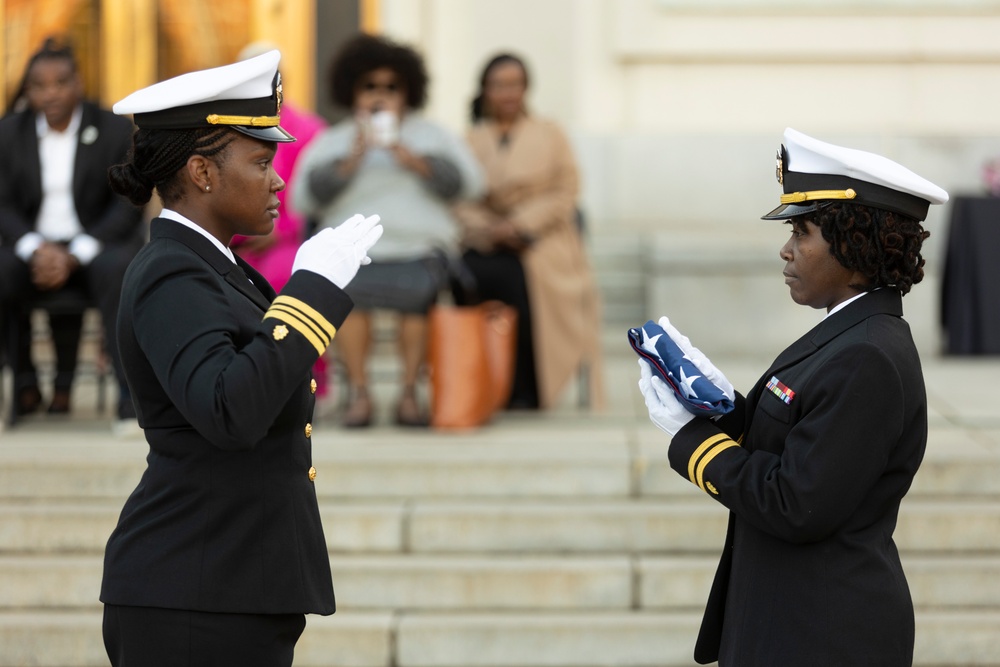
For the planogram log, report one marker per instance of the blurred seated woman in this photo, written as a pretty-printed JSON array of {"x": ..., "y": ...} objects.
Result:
[
  {"x": 387, "y": 158},
  {"x": 523, "y": 243}
]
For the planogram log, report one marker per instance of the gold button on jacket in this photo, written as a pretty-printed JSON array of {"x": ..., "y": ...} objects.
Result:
[
  {"x": 309, "y": 430},
  {"x": 312, "y": 474},
  {"x": 312, "y": 386}
]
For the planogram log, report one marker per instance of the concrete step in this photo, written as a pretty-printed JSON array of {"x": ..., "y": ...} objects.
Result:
[
  {"x": 73, "y": 639},
  {"x": 84, "y": 526},
  {"x": 423, "y": 465},
  {"x": 485, "y": 583},
  {"x": 642, "y": 526},
  {"x": 590, "y": 458},
  {"x": 959, "y": 461},
  {"x": 637, "y": 639},
  {"x": 681, "y": 525}
]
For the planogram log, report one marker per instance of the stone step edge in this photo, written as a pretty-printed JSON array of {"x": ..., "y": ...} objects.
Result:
[{"x": 402, "y": 639}]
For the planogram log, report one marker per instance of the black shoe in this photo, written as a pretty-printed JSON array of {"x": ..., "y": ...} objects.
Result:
[
  {"x": 518, "y": 403},
  {"x": 359, "y": 411},
  {"x": 29, "y": 399},
  {"x": 409, "y": 412},
  {"x": 60, "y": 402}
]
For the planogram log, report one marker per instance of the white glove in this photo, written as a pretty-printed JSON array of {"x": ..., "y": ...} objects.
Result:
[
  {"x": 665, "y": 409},
  {"x": 699, "y": 359},
  {"x": 338, "y": 253}
]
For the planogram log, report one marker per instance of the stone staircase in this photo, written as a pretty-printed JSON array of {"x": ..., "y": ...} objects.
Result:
[{"x": 555, "y": 541}]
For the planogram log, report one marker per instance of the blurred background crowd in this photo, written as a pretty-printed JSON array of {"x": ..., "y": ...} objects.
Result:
[{"x": 586, "y": 161}]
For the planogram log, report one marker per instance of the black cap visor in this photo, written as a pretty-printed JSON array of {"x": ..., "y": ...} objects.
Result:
[
  {"x": 276, "y": 133},
  {"x": 786, "y": 211}
]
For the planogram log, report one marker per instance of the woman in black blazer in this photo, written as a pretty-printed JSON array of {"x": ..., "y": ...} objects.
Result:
[
  {"x": 219, "y": 552},
  {"x": 814, "y": 462}
]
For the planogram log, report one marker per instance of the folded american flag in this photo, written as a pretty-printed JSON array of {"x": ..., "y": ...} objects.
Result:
[{"x": 697, "y": 393}]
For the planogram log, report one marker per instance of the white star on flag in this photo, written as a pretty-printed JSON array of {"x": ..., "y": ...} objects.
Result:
[
  {"x": 649, "y": 344},
  {"x": 686, "y": 383}
]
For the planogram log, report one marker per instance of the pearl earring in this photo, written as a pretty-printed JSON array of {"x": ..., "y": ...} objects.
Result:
[{"x": 207, "y": 188}]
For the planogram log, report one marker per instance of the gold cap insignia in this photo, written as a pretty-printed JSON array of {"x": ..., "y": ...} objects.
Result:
[
  {"x": 780, "y": 168},
  {"x": 280, "y": 332},
  {"x": 278, "y": 94}
]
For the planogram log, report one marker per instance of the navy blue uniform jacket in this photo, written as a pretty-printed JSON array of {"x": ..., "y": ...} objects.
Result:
[
  {"x": 225, "y": 517},
  {"x": 812, "y": 470}
]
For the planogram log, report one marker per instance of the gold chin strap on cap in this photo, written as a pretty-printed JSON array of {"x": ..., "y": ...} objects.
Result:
[
  {"x": 812, "y": 195},
  {"x": 252, "y": 121}
]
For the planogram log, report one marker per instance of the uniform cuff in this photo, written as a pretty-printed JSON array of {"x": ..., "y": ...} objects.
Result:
[
  {"x": 312, "y": 307},
  {"x": 694, "y": 448}
]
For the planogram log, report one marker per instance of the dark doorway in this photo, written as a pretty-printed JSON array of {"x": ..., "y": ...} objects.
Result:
[{"x": 336, "y": 22}]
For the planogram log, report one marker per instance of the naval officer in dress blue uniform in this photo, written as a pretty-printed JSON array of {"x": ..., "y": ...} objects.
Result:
[
  {"x": 219, "y": 552},
  {"x": 814, "y": 461}
]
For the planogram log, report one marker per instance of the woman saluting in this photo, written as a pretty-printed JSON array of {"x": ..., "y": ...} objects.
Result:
[{"x": 219, "y": 552}]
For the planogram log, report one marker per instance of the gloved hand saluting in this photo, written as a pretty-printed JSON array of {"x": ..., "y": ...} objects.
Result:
[
  {"x": 698, "y": 358},
  {"x": 337, "y": 253},
  {"x": 665, "y": 410}
]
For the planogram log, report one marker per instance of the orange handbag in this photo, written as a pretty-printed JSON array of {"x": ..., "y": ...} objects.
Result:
[{"x": 470, "y": 357}]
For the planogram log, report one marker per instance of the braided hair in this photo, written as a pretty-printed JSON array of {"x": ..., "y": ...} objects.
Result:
[
  {"x": 157, "y": 156},
  {"x": 884, "y": 246}
]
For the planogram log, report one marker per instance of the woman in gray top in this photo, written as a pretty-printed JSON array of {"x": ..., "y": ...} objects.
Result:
[{"x": 387, "y": 158}]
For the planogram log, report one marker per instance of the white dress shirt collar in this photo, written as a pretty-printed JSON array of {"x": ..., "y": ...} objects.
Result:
[
  {"x": 843, "y": 304},
  {"x": 170, "y": 214}
]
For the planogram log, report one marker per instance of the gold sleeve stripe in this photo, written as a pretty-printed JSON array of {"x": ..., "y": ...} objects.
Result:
[
  {"x": 297, "y": 324},
  {"x": 708, "y": 459},
  {"x": 702, "y": 448},
  {"x": 308, "y": 311},
  {"x": 303, "y": 319}
]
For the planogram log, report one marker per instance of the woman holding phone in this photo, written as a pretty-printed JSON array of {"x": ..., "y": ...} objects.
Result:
[{"x": 386, "y": 157}]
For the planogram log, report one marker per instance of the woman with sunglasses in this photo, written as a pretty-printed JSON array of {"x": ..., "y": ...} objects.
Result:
[{"x": 387, "y": 158}]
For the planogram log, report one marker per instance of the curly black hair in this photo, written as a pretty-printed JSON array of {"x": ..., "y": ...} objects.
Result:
[
  {"x": 365, "y": 53},
  {"x": 157, "y": 156},
  {"x": 884, "y": 246}
]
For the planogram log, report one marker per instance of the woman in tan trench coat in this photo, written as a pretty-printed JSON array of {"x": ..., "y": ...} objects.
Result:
[{"x": 523, "y": 237}]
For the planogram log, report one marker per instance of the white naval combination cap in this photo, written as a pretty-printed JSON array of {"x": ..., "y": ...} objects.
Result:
[
  {"x": 815, "y": 174},
  {"x": 245, "y": 96}
]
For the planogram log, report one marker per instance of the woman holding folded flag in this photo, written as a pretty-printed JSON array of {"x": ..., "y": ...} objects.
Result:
[{"x": 813, "y": 462}]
